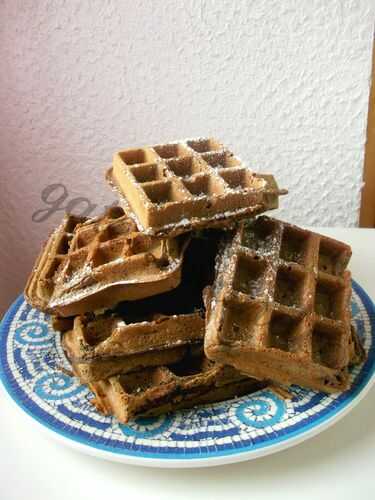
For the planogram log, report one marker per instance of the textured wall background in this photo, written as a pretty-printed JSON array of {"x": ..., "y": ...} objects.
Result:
[{"x": 284, "y": 83}]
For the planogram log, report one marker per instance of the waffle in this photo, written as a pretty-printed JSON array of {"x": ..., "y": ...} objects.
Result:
[
  {"x": 146, "y": 332},
  {"x": 60, "y": 324},
  {"x": 89, "y": 264},
  {"x": 280, "y": 306},
  {"x": 154, "y": 391},
  {"x": 357, "y": 353},
  {"x": 174, "y": 188},
  {"x": 106, "y": 346}
]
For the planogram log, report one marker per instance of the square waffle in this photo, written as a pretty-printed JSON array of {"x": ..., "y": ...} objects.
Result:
[
  {"x": 176, "y": 187},
  {"x": 105, "y": 346},
  {"x": 89, "y": 264},
  {"x": 280, "y": 306},
  {"x": 149, "y": 332},
  {"x": 192, "y": 381}
]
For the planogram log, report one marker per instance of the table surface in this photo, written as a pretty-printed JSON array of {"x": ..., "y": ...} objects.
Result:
[{"x": 339, "y": 463}]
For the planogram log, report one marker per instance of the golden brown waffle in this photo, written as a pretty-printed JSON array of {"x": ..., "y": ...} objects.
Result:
[
  {"x": 89, "y": 264},
  {"x": 102, "y": 347},
  {"x": 154, "y": 391},
  {"x": 192, "y": 184},
  {"x": 280, "y": 306}
]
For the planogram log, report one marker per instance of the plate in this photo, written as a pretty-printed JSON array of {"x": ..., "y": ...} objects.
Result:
[{"x": 33, "y": 371}]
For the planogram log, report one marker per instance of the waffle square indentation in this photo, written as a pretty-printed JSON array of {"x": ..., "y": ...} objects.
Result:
[
  {"x": 333, "y": 257},
  {"x": 204, "y": 145},
  {"x": 284, "y": 332},
  {"x": 162, "y": 192},
  {"x": 63, "y": 246},
  {"x": 250, "y": 276},
  {"x": 243, "y": 322},
  {"x": 85, "y": 237},
  {"x": 329, "y": 300},
  {"x": 260, "y": 236},
  {"x": 185, "y": 167},
  {"x": 238, "y": 178},
  {"x": 76, "y": 263},
  {"x": 108, "y": 252},
  {"x": 203, "y": 186},
  {"x": 327, "y": 346},
  {"x": 289, "y": 287},
  {"x": 173, "y": 150},
  {"x": 146, "y": 173},
  {"x": 293, "y": 245},
  {"x": 221, "y": 160},
  {"x": 137, "y": 156},
  {"x": 117, "y": 229}
]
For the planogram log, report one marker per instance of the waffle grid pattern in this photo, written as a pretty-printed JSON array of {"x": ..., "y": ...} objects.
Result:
[
  {"x": 284, "y": 295},
  {"x": 200, "y": 178},
  {"x": 154, "y": 391},
  {"x": 51, "y": 259},
  {"x": 85, "y": 257},
  {"x": 111, "y": 240}
]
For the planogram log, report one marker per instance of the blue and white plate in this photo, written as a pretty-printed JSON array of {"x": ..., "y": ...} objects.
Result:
[{"x": 32, "y": 366}]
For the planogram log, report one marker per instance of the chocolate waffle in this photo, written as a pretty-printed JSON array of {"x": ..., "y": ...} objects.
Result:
[
  {"x": 192, "y": 381},
  {"x": 149, "y": 332},
  {"x": 89, "y": 264},
  {"x": 280, "y": 306},
  {"x": 60, "y": 324},
  {"x": 174, "y": 188},
  {"x": 105, "y": 346}
]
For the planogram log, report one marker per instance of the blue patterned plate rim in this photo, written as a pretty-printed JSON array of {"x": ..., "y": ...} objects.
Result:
[{"x": 227, "y": 432}]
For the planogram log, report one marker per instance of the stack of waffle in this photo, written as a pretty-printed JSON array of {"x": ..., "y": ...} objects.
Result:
[{"x": 181, "y": 295}]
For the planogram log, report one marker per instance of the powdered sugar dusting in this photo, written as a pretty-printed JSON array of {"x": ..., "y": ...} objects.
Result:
[
  {"x": 250, "y": 190},
  {"x": 86, "y": 291}
]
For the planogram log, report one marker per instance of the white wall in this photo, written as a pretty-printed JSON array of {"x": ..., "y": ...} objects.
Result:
[{"x": 284, "y": 83}]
